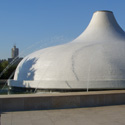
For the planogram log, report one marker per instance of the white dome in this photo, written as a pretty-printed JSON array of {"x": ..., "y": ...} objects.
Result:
[{"x": 95, "y": 60}]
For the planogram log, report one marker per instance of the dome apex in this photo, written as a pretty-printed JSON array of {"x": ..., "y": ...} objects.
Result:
[
  {"x": 102, "y": 27},
  {"x": 104, "y": 11}
]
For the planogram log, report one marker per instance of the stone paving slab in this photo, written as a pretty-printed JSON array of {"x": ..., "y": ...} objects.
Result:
[{"x": 107, "y": 115}]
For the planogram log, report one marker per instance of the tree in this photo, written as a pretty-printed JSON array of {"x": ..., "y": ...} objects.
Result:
[{"x": 7, "y": 74}]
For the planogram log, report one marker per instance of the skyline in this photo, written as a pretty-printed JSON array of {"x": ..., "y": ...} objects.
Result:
[{"x": 33, "y": 25}]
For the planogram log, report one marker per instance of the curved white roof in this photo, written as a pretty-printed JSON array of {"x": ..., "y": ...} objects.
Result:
[{"x": 96, "y": 59}]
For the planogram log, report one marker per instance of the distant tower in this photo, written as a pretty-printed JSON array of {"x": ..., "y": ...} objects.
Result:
[{"x": 14, "y": 52}]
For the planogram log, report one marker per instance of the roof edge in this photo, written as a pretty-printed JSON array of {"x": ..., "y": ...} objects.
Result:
[{"x": 104, "y": 11}]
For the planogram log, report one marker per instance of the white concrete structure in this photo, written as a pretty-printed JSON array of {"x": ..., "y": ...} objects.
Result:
[{"x": 94, "y": 60}]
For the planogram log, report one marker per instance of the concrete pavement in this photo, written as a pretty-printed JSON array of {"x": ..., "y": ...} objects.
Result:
[{"x": 107, "y": 115}]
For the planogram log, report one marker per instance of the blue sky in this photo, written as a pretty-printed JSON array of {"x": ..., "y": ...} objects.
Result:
[{"x": 35, "y": 24}]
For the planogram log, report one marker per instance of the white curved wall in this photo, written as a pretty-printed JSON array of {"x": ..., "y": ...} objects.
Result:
[{"x": 96, "y": 59}]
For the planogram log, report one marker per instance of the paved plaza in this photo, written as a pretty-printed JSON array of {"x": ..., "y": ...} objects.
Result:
[{"x": 107, "y": 115}]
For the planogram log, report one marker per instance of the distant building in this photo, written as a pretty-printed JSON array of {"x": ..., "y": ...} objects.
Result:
[
  {"x": 14, "y": 52},
  {"x": 14, "y": 56},
  {"x": 15, "y": 60}
]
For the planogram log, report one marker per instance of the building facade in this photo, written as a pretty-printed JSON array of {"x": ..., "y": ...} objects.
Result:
[
  {"x": 15, "y": 56},
  {"x": 14, "y": 52}
]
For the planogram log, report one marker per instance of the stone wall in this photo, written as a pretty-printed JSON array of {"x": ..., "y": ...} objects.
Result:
[{"x": 61, "y": 100}]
